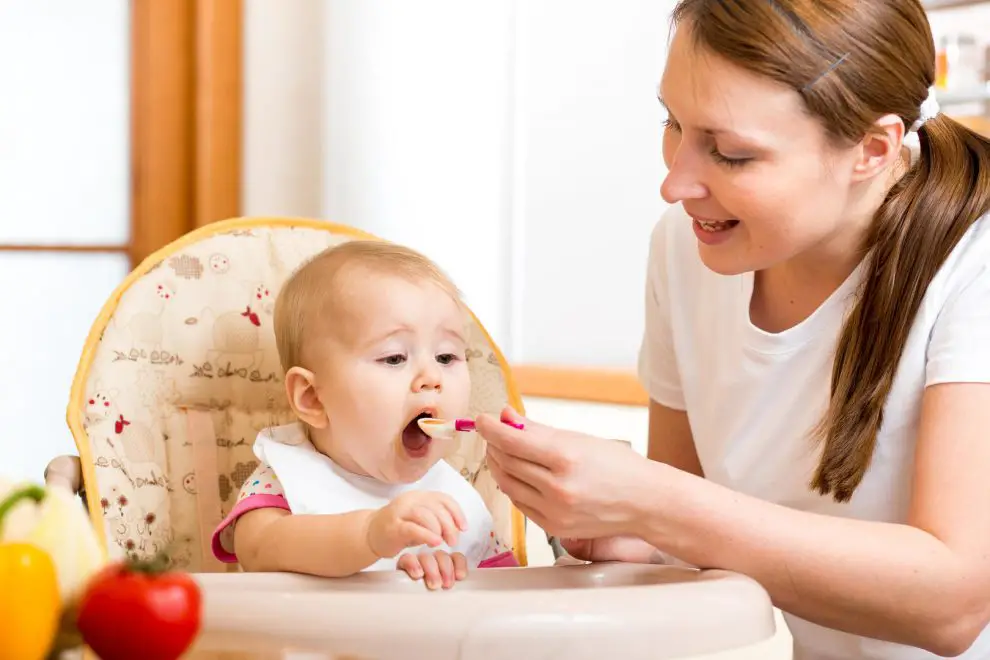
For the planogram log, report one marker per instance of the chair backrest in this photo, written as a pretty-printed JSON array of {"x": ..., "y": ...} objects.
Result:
[{"x": 180, "y": 372}]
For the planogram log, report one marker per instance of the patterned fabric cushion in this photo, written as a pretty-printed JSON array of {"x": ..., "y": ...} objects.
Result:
[{"x": 181, "y": 372}]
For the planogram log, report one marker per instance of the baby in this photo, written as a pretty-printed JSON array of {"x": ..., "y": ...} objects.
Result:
[{"x": 371, "y": 337}]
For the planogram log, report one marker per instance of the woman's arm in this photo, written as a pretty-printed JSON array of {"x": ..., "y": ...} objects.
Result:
[
  {"x": 670, "y": 442},
  {"x": 925, "y": 583},
  {"x": 272, "y": 539}
]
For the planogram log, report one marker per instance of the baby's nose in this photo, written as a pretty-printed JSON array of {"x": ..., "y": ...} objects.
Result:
[
  {"x": 423, "y": 386},
  {"x": 429, "y": 378}
]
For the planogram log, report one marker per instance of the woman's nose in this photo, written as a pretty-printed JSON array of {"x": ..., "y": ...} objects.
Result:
[{"x": 682, "y": 181}]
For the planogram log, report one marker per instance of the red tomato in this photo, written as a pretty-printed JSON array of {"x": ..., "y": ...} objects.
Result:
[{"x": 126, "y": 614}]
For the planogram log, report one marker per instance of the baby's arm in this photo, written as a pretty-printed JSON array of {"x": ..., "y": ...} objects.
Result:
[
  {"x": 261, "y": 533},
  {"x": 339, "y": 545},
  {"x": 329, "y": 545}
]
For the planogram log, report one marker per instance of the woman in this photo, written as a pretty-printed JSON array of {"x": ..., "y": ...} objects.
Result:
[{"x": 817, "y": 343}]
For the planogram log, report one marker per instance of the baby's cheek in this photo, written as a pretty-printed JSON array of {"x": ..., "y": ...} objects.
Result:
[{"x": 461, "y": 393}]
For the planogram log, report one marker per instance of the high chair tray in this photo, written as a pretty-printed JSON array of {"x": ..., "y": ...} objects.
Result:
[{"x": 574, "y": 612}]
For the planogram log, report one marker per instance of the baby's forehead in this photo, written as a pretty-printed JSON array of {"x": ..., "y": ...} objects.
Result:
[{"x": 366, "y": 302}]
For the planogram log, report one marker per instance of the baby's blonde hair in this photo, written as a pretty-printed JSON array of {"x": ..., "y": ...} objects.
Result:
[{"x": 309, "y": 293}]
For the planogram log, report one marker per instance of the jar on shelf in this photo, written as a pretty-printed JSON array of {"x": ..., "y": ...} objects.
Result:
[{"x": 959, "y": 63}]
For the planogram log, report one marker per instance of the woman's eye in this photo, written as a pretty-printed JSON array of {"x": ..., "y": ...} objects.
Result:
[
  {"x": 446, "y": 358},
  {"x": 718, "y": 156},
  {"x": 393, "y": 360},
  {"x": 722, "y": 159}
]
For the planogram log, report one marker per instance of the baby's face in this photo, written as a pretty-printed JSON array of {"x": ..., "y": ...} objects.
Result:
[{"x": 396, "y": 353}]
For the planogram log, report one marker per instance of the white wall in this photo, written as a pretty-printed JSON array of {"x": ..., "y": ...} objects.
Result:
[
  {"x": 418, "y": 140},
  {"x": 588, "y": 173},
  {"x": 64, "y": 179},
  {"x": 283, "y": 108},
  {"x": 515, "y": 142}
]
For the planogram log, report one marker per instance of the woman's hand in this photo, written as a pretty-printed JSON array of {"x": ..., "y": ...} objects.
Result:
[
  {"x": 570, "y": 484},
  {"x": 626, "y": 549}
]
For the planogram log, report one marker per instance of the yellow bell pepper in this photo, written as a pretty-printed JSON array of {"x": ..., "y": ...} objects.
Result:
[
  {"x": 30, "y": 605},
  {"x": 60, "y": 526}
]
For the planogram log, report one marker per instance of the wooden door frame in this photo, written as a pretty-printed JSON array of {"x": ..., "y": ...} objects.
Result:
[{"x": 186, "y": 118}]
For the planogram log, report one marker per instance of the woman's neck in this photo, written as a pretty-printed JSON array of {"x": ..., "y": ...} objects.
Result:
[{"x": 786, "y": 294}]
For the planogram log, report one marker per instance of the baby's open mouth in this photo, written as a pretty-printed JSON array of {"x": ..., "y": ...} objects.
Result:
[{"x": 414, "y": 441}]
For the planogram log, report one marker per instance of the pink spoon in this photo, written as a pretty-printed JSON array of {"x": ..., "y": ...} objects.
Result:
[{"x": 445, "y": 428}]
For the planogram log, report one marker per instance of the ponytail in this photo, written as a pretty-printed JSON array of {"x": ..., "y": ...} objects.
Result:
[{"x": 916, "y": 228}]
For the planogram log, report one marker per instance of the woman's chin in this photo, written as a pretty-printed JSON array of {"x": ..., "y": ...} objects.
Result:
[{"x": 723, "y": 261}]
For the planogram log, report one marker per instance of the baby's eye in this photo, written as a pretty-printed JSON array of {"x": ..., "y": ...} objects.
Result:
[
  {"x": 393, "y": 360},
  {"x": 447, "y": 358}
]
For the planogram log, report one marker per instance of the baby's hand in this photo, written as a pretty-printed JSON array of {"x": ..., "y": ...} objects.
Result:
[
  {"x": 412, "y": 519},
  {"x": 437, "y": 568}
]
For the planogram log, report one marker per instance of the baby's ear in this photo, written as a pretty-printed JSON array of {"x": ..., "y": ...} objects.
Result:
[{"x": 300, "y": 389}]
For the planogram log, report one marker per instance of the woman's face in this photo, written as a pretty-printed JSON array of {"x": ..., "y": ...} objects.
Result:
[{"x": 754, "y": 170}]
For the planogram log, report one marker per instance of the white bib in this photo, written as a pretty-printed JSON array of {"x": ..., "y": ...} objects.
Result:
[{"x": 314, "y": 484}]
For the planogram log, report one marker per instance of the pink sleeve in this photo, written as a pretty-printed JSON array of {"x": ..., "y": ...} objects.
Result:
[
  {"x": 498, "y": 555},
  {"x": 501, "y": 560},
  {"x": 262, "y": 490}
]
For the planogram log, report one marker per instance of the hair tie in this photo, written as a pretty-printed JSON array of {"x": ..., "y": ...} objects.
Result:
[{"x": 929, "y": 110}]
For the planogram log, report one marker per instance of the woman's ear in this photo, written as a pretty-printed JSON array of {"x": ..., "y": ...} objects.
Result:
[
  {"x": 300, "y": 386},
  {"x": 880, "y": 149}
]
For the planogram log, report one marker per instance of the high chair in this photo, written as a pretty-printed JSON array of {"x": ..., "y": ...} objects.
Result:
[{"x": 179, "y": 374}]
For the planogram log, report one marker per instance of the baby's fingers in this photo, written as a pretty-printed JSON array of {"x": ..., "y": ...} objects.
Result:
[
  {"x": 411, "y": 565},
  {"x": 412, "y": 534},
  {"x": 431, "y": 570},
  {"x": 449, "y": 527},
  {"x": 437, "y": 518},
  {"x": 445, "y": 563},
  {"x": 455, "y": 512},
  {"x": 460, "y": 565},
  {"x": 426, "y": 518}
]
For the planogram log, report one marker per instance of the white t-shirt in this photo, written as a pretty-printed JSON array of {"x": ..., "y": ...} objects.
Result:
[{"x": 753, "y": 397}]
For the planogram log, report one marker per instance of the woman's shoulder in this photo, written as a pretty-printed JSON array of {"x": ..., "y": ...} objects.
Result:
[
  {"x": 968, "y": 261},
  {"x": 974, "y": 247}
]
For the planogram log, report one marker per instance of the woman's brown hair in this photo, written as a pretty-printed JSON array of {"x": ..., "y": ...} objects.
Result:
[{"x": 854, "y": 61}]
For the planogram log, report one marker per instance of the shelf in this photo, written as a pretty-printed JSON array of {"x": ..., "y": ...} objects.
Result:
[{"x": 950, "y": 4}]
